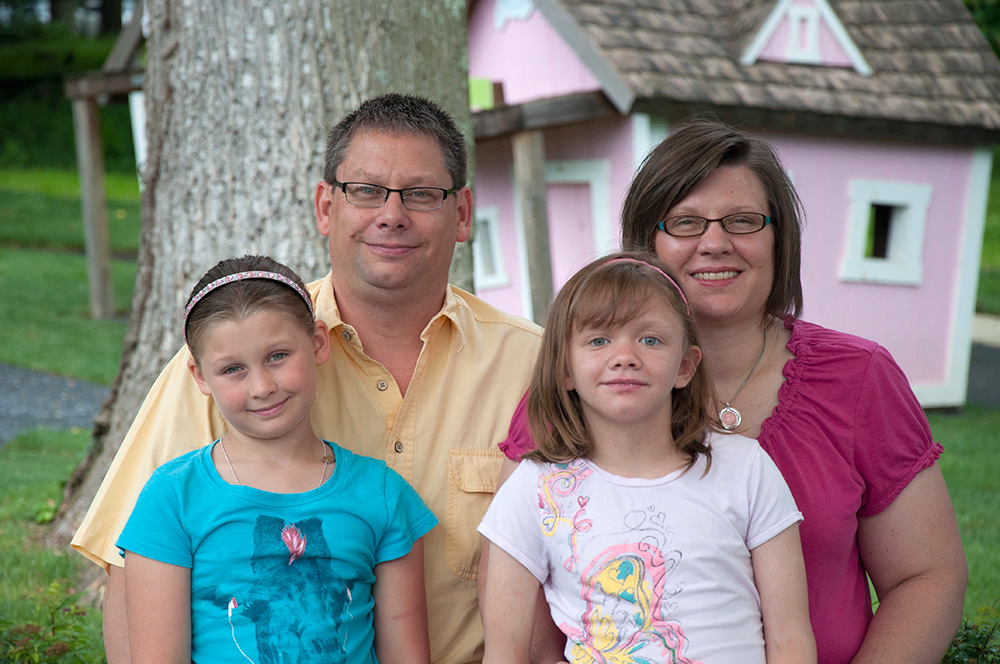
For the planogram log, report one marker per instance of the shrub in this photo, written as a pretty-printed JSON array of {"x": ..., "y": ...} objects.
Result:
[
  {"x": 60, "y": 632},
  {"x": 977, "y": 642}
]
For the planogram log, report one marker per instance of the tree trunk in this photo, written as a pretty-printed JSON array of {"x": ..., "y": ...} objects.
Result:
[{"x": 239, "y": 97}]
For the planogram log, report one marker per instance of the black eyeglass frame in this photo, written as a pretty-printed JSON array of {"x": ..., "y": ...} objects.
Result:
[
  {"x": 402, "y": 194},
  {"x": 662, "y": 225}
]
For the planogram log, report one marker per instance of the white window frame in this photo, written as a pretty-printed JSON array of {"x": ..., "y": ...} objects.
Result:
[
  {"x": 903, "y": 264},
  {"x": 803, "y": 37},
  {"x": 488, "y": 225}
]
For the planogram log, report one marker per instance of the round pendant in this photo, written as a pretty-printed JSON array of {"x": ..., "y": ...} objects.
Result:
[{"x": 730, "y": 418}]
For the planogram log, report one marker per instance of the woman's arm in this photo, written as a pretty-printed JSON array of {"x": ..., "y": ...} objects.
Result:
[
  {"x": 401, "y": 610},
  {"x": 780, "y": 576},
  {"x": 508, "y": 606},
  {"x": 158, "y": 608},
  {"x": 913, "y": 554}
]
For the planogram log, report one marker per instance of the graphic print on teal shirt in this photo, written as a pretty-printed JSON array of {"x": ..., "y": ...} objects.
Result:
[
  {"x": 624, "y": 585},
  {"x": 293, "y": 596}
]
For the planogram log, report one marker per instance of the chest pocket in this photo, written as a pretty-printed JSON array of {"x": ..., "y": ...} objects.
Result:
[{"x": 472, "y": 479}]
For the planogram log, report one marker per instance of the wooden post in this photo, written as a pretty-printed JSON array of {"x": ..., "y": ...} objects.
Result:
[
  {"x": 90, "y": 165},
  {"x": 529, "y": 184}
]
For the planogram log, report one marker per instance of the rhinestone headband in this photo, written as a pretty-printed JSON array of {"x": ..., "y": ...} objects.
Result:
[
  {"x": 625, "y": 259},
  {"x": 240, "y": 276}
]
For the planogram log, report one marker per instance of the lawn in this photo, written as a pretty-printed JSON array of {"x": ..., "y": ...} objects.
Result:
[
  {"x": 988, "y": 296},
  {"x": 971, "y": 467},
  {"x": 41, "y": 251}
]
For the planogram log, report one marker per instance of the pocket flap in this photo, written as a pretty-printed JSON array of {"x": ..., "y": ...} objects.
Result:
[{"x": 476, "y": 471}]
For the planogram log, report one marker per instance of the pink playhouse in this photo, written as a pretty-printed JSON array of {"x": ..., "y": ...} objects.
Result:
[{"x": 884, "y": 113}]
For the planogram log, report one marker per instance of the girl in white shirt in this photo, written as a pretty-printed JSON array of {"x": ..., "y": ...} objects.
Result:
[{"x": 655, "y": 538}]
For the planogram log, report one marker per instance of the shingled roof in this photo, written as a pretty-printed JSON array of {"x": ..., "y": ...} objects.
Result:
[{"x": 931, "y": 73}]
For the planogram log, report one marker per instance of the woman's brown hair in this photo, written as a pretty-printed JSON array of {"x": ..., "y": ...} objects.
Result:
[{"x": 682, "y": 161}]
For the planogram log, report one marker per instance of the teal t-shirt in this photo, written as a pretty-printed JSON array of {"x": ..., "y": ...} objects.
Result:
[{"x": 278, "y": 577}]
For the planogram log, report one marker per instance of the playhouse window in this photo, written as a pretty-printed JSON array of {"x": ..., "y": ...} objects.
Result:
[
  {"x": 879, "y": 224},
  {"x": 487, "y": 253},
  {"x": 803, "y": 35},
  {"x": 886, "y": 221}
]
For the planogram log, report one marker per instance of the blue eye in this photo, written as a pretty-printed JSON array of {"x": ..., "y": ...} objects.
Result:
[
  {"x": 598, "y": 342},
  {"x": 280, "y": 355},
  {"x": 231, "y": 370},
  {"x": 649, "y": 341}
]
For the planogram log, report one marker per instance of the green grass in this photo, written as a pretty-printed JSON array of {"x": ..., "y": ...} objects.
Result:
[
  {"x": 45, "y": 311},
  {"x": 970, "y": 467},
  {"x": 41, "y": 208},
  {"x": 47, "y": 51},
  {"x": 34, "y": 580},
  {"x": 988, "y": 296},
  {"x": 45, "y": 318}
]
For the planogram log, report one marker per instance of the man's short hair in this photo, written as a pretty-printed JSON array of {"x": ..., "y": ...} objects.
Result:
[{"x": 396, "y": 113}]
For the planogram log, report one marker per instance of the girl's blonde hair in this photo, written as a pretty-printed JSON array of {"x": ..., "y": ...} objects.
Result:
[{"x": 609, "y": 291}]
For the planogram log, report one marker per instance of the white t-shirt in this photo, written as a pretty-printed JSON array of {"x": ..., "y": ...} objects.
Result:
[{"x": 648, "y": 570}]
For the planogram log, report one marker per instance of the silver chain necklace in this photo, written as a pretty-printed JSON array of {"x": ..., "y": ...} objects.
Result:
[
  {"x": 729, "y": 417},
  {"x": 327, "y": 460}
]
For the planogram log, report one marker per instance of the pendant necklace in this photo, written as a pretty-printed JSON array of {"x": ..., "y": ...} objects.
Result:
[
  {"x": 327, "y": 460},
  {"x": 729, "y": 417}
]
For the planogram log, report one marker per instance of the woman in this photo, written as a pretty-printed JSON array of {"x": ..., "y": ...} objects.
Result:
[{"x": 834, "y": 411}]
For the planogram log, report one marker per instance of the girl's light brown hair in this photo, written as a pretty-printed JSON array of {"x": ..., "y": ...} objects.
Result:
[
  {"x": 610, "y": 291},
  {"x": 244, "y": 298}
]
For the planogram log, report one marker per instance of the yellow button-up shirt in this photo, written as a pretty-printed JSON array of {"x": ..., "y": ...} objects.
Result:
[{"x": 442, "y": 437}]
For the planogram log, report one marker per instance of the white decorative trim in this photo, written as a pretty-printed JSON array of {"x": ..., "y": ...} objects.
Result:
[
  {"x": 803, "y": 39},
  {"x": 903, "y": 264},
  {"x": 642, "y": 139},
  {"x": 511, "y": 10},
  {"x": 955, "y": 388},
  {"x": 785, "y": 8},
  {"x": 487, "y": 238},
  {"x": 596, "y": 174}
]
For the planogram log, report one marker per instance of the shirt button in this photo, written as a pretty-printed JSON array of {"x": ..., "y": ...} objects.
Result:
[
  {"x": 398, "y": 447},
  {"x": 382, "y": 385},
  {"x": 346, "y": 335}
]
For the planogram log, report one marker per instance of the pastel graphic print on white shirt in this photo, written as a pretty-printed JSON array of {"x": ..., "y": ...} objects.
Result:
[
  {"x": 623, "y": 586},
  {"x": 648, "y": 570}
]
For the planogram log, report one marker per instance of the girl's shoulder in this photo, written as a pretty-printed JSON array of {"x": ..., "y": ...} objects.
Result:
[
  {"x": 732, "y": 450},
  {"x": 530, "y": 471},
  {"x": 187, "y": 462}
]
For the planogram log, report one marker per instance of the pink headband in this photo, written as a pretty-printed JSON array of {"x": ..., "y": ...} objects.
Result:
[
  {"x": 239, "y": 276},
  {"x": 625, "y": 259}
]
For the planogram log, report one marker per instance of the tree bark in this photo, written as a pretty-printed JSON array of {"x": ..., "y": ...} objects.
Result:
[{"x": 239, "y": 97}]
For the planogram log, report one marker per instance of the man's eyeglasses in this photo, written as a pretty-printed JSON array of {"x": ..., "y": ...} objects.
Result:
[
  {"x": 367, "y": 195},
  {"x": 741, "y": 223}
]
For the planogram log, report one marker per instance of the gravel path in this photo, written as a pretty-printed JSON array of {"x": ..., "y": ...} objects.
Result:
[{"x": 31, "y": 398}]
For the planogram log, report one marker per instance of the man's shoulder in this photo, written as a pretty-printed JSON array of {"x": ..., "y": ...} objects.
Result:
[{"x": 481, "y": 312}]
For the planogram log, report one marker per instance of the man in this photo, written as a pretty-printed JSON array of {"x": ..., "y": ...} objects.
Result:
[{"x": 421, "y": 374}]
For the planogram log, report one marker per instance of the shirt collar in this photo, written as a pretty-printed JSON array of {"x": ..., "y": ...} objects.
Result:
[{"x": 453, "y": 310}]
